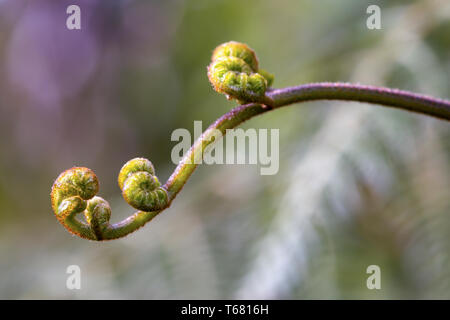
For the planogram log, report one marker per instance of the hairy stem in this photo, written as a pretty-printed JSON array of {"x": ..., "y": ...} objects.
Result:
[
  {"x": 405, "y": 100},
  {"x": 234, "y": 71},
  {"x": 317, "y": 91},
  {"x": 277, "y": 98}
]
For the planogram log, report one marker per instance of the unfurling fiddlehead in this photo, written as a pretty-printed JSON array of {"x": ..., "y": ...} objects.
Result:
[
  {"x": 234, "y": 71},
  {"x": 74, "y": 192},
  {"x": 140, "y": 187}
]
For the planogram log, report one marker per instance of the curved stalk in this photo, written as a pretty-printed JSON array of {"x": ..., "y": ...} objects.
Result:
[
  {"x": 400, "y": 99},
  {"x": 233, "y": 71},
  {"x": 282, "y": 97}
]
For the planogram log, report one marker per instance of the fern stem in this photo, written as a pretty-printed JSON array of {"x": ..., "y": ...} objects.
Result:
[
  {"x": 405, "y": 100},
  {"x": 316, "y": 91},
  {"x": 275, "y": 99}
]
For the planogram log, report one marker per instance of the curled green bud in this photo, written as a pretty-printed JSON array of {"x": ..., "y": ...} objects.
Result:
[
  {"x": 98, "y": 214},
  {"x": 140, "y": 187},
  {"x": 71, "y": 190},
  {"x": 234, "y": 71},
  {"x": 74, "y": 192}
]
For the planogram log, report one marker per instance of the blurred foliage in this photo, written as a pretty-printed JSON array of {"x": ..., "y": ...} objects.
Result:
[{"x": 357, "y": 185}]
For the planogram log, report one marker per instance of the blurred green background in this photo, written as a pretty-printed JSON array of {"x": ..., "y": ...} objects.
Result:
[{"x": 358, "y": 185}]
